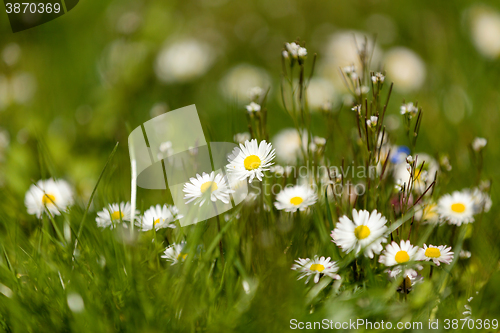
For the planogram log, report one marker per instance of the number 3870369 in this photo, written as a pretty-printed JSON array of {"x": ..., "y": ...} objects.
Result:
[{"x": 27, "y": 7}]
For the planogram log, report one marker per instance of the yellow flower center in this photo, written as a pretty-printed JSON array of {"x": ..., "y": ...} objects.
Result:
[
  {"x": 212, "y": 186},
  {"x": 361, "y": 232},
  {"x": 458, "y": 207},
  {"x": 156, "y": 221},
  {"x": 252, "y": 162},
  {"x": 182, "y": 256},
  {"x": 116, "y": 215},
  {"x": 317, "y": 267},
  {"x": 432, "y": 252},
  {"x": 296, "y": 201},
  {"x": 402, "y": 256},
  {"x": 48, "y": 199}
]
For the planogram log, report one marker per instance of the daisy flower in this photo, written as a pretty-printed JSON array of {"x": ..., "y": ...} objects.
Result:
[
  {"x": 395, "y": 254},
  {"x": 113, "y": 214},
  {"x": 437, "y": 254},
  {"x": 456, "y": 208},
  {"x": 364, "y": 232},
  {"x": 50, "y": 194},
  {"x": 317, "y": 267},
  {"x": 294, "y": 198},
  {"x": 159, "y": 217},
  {"x": 251, "y": 160},
  {"x": 174, "y": 253},
  {"x": 206, "y": 186}
]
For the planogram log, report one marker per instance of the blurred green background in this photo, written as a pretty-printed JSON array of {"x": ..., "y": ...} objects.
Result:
[{"x": 71, "y": 88}]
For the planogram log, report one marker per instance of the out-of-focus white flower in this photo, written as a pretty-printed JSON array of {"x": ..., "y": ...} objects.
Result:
[
  {"x": 372, "y": 122},
  {"x": 289, "y": 145},
  {"x": 410, "y": 277},
  {"x": 485, "y": 31},
  {"x": 184, "y": 61},
  {"x": 19, "y": 88},
  {"x": 479, "y": 143},
  {"x": 11, "y": 54},
  {"x": 295, "y": 50},
  {"x": 302, "y": 52},
  {"x": 75, "y": 302},
  {"x": 52, "y": 195},
  {"x": 362, "y": 90},
  {"x": 254, "y": 93},
  {"x": 357, "y": 108},
  {"x": 242, "y": 137},
  {"x": 319, "y": 92},
  {"x": 408, "y": 109},
  {"x": 253, "y": 107},
  {"x": 285, "y": 54},
  {"x": 174, "y": 253},
  {"x": 319, "y": 141},
  {"x": 378, "y": 77},
  {"x": 128, "y": 22},
  {"x": 405, "y": 68},
  {"x": 239, "y": 80},
  {"x": 464, "y": 254}
]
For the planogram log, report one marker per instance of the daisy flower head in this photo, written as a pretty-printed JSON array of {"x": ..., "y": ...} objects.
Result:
[
  {"x": 159, "y": 217},
  {"x": 397, "y": 254},
  {"x": 365, "y": 232},
  {"x": 438, "y": 254},
  {"x": 316, "y": 267},
  {"x": 52, "y": 195},
  {"x": 206, "y": 186},
  {"x": 294, "y": 198},
  {"x": 113, "y": 214},
  {"x": 456, "y": 208},
  {"x": 174, "y": 253},
  {"x": 251, "y": 160}
]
